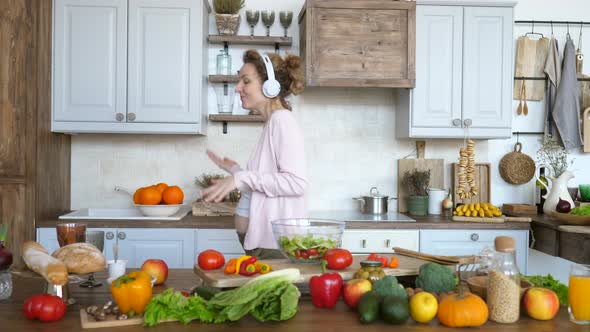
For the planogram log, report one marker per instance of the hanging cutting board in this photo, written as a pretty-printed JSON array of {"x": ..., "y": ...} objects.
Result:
[
  {"x": 531, "y": 55},
  {"x": 436, "y": 167},
  {"x": 586, "y": 117},
  {"x": 408, "y": 266}
]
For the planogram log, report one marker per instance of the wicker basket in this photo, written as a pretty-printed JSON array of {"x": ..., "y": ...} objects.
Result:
[{"x": 517, "y": 167}]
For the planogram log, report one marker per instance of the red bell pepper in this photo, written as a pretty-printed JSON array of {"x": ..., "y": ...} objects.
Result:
[
  {"x": 375, "y": 257},
  {"x": 325, "y": 289},
  {"x": 247, "y": 268}
]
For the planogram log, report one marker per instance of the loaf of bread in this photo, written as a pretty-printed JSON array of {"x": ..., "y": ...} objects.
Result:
[
  {"x": 81, "y": 258},
  {"x": 38, "y": 260}
]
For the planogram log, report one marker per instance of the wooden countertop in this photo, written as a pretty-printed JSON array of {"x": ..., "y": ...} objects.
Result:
[
  {"x": 190, "y": 221},
  {"x": 308, "y": 318}
]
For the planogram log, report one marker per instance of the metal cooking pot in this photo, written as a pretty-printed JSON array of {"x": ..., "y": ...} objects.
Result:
[{"x": 374, "y": 203}]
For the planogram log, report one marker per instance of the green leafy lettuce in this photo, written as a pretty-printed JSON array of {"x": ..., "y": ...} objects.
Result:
[
  {"x": 300, "y": 242},
  {"x": 549, "y": 282},
  {"x": 269, "y": 297},
  {"x": 581, "y": 211}
]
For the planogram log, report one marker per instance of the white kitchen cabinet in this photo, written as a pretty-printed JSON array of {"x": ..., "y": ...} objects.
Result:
[
  {"x": 463, "y": 73},
  {"x": 47, "y": 237},
  {"x": 471, "y": 242},
  {"x": 175, "y": 246},
  {"x": 130, "y": 66},
  {"x": 223, "y": 240},
  {"x": 359, "y": 241}
]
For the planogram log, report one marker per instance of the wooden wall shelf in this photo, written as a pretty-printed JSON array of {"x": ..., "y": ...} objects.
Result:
[
  {"x": 235, "y": 118},
  {"x": 223, "y": 78},
  {"x": 251, "y": 40}
]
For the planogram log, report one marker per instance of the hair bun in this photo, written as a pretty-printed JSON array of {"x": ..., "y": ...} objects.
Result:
[{"x": 293, "y": 66}]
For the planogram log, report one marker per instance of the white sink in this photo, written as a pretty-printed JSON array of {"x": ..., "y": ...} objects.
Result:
[{"x": 121, "y": 214}]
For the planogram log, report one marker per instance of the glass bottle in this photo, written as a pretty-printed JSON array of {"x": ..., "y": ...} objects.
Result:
[
  {"x": 5, "y": 284},
  {"x": 223, "y": 63},
  {"x": 503, "y": 292},
  {"x": 540, "y": 191}
]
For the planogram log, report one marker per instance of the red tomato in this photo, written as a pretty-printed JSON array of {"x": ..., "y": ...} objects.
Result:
[
  {"x": 312, "y": 252},
  {"x": 211, "y": 259},
  {"x": 45, "y": 307},
  {"x": 185, "y": 294},
  {"x": 338, "y": 259}
]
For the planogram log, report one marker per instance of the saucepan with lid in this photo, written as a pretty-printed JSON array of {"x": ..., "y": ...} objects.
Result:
[{"x": 375, "y": 203}]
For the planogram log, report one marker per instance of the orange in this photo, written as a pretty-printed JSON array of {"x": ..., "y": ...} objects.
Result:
[
  {"x": 150, "y": 196},
  {"x": 173, "y": 195},
  {"x": 161, "y": 187},
  {"x": 136, "y": 195}
]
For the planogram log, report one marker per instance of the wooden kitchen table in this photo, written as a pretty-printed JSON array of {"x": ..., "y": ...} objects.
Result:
[{"x": 308, "y": 318}]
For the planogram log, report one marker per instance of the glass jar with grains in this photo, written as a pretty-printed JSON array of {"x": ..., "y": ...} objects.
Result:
[
  {"x": 370, "y": 270},
  {"x": 503, "y": 293}
]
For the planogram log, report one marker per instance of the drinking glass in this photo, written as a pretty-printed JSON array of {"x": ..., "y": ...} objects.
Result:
[
  {"x": 68, "y": 233},
  {"x": 96, "y": 238},
  {"x": 286, "y": 17},
  {"x": 268, "y": 18},
  {"x": 579, "y": 293},
  {"x": 252, "y": 16},
  {"x": 584, "y": 192}
]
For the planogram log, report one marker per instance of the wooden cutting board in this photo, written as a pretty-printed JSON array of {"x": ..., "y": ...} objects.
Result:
[
  {"x": 408, "y": 266},
  {"x": 88, "y": 322},
  {"x": 531, "y": 55},
  {"x": 214, "y": 209},
  {"x": 483, "y": 178},
  {"x": 519, "y": 209},
  {"x": 437, "y": 175},
  {"x": 587, "y": 130},
  {"x": 499, "y": 219}
]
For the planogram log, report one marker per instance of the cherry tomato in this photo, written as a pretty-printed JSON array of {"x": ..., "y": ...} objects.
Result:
[
  {"x": 185, "y": 294},
  {"x": 304, "y": 254},
  {"x": 211, "y": 259},
  {"x": 45, "y": 307},
  {"x": 297, "y": 253},
  {"x": 312, "y": 252},
  {"x": 338, "y": 259}
]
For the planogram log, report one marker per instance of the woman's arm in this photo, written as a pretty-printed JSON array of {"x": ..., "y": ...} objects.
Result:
[{"x": 287, "y": 141}]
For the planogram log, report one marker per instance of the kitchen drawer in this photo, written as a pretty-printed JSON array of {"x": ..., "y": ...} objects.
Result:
[
  {"x": 471, "y": 242},
  {"x": 379, "y": 241},
  {"x": 223, "y": 240}
]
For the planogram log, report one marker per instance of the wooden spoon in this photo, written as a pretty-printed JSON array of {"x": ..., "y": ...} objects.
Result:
[
  {"x": 525, "y": 109},
  {"x": 519, "y": 109}
]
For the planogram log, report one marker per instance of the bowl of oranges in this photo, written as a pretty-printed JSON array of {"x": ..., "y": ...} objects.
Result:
[{"x": 158, "y": 200}]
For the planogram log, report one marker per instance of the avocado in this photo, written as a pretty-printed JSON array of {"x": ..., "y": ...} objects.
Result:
[
  {"x": 368, "y": 307},
  {"x": 206, "y": 292},
  {"x": 394, "y": 309}
]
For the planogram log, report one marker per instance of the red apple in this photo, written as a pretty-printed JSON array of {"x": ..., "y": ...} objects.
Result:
[
  {"x": 156, "y": 268},
  {"x": 541, "y": 303},
  {"x": 354, "y": 289}
]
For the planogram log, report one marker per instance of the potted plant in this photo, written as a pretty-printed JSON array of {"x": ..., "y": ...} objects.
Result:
[
  {"x": 416, "y": 183},
  {"x": 227, "y": 15}
]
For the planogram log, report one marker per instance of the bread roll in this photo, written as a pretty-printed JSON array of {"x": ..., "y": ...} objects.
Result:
[
  {"x": 38, "y": 260},
  {"x": 81, "y": 258}
]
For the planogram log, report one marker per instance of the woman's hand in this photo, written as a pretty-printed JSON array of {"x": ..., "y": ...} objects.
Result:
[
  {"x": 225, "y": 163},
  {"x": 219, "y": 190}
]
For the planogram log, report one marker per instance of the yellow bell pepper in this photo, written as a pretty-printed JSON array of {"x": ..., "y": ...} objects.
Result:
[
  {"x": 262, "y": 268},
  {"x": 239, "y": 262},
  {"x": 132, "y": 292}
]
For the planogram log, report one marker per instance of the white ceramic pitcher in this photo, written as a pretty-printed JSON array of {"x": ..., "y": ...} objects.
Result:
[
  {"x": 435, "y": 198},
  {"x": 556, "y": 188}
]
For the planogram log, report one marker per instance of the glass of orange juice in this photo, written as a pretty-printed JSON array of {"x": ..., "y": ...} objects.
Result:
[{"x": 579, "y": 294}]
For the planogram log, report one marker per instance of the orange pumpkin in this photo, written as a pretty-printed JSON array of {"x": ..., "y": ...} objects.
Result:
[{"x": 461, "y": 310}]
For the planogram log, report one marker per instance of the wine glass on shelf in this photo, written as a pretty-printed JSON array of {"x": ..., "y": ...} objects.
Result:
[
  {"x": 268, "y": 18},
  {"x": 96, "y": 238},
  {"x": 252, "y": 16},
  {"x": 286, "y": 17}
]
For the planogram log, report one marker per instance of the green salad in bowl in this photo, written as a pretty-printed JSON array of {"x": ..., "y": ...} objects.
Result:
[{"x": 307, "y": 240}]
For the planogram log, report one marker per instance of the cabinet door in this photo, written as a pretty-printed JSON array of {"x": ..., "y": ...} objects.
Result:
[
  {"x": 163, "y": 61},
  {"x": 223, "y": 240},
  {"x": 439, "y": 39},
  {"x": 379, "y": 241},
  {"x": 174, "y": 246},
  {"x": 487, "y": 66},
  {"x": 471, "y": 242},
  {"x": 47, "y": 237},
  {"x": 89, "y": 60}
]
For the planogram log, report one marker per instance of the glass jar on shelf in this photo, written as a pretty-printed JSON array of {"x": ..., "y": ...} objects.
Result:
[
  {"x": 223, "y": 63},
  {"x": 503, "y": 291}
]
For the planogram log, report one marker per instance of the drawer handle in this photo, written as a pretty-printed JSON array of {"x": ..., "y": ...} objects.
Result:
[
  {"x": 110, "y": 235},
  {"x": 387, "y": 243},
  {"x": 364, "y": 243},
  {"x": 474, "y": 237},
  {"x": 121, "y": 235}
]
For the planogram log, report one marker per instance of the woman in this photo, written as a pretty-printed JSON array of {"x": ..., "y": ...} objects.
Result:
[{"x": 273, "y": 184}]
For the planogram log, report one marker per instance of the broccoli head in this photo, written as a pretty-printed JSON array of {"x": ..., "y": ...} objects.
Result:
[
  {"x": 388, "y": 285},
  {"x": 437, "y": 278}
]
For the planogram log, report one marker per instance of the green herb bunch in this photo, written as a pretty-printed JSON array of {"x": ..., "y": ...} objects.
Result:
[
  {"x": 553, "y": 154},
  {"x": 206, "y": 180},
  {"x": 417, "y": 182},
  {"x": 228, "y": 6}
]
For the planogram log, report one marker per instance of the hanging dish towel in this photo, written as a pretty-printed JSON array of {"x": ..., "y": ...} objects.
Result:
[
  {"x": 566, "y": 112},
  {"x": 553, "y": 72}
]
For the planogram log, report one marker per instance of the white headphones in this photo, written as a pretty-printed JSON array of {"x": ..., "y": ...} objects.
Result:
[{"x": 271, "y": 87}]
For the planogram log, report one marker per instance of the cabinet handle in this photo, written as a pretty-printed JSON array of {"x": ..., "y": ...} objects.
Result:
[
  {"x": 456, "y": 122},
  {"x": 131, "y": 116},
  {"x": 387, "y": 243},
  {"x": 474, "y": 237},
  {"x": 110, "y": 235},
  {"x": 119, "y": 117},
  {"x": 467, "y": 122},
  {"x": 364, "y": 243},
  {"x": 121, "y": 235}
]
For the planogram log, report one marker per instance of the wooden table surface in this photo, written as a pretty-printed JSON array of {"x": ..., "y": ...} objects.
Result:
[{"x": 308, "y": 318}]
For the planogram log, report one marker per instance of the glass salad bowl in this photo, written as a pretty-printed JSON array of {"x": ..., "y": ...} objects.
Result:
[{"x": 307, "y": 240}]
